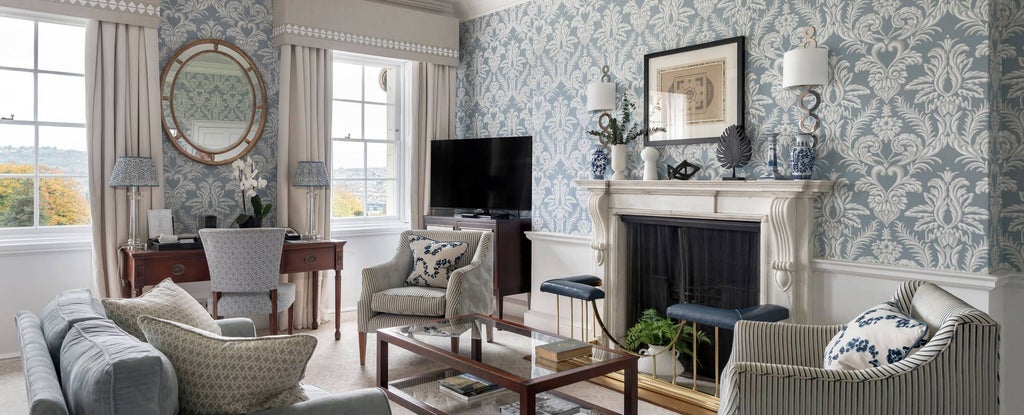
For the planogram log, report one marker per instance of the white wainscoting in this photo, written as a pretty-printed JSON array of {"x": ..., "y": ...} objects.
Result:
[{"x": 840, "y": 291}]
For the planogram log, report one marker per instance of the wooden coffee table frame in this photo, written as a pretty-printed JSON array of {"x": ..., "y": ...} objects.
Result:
[{"x": 527, "y": 389}]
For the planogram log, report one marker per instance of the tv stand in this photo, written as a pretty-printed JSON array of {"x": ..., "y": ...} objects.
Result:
[{"x": 511, "y": 250}]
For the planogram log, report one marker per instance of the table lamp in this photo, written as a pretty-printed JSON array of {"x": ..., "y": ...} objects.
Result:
[
  {"x": 133, "y": 173},
  {"x": 312, "y": 175}
]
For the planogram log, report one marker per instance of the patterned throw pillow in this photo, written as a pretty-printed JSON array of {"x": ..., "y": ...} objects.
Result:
[
  {"x": 167, "y": 301},
  {"x": 880, "y": 336},
  {"x": 432, "y": 261},
  {"x": 231, "y": 375}
]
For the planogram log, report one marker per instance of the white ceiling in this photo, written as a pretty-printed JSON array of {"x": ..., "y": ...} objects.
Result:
[{"x": 470, "y": 9}]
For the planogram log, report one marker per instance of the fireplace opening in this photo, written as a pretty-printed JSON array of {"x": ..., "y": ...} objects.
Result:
[{"x": 697, "y": 261}]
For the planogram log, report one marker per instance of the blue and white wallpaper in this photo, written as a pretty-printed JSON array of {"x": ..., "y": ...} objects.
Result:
[
  {"x": 906, "y": 117},
  {"x": 193, "y": 189},
  {"x": 1007, "y": 173}
]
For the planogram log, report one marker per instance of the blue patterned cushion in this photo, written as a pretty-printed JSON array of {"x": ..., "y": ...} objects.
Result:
[
  {"x": 879, "y": 336},
  {"x": 432, "y": 261}
]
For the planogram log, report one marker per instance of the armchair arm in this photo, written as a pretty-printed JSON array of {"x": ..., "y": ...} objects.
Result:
[
  {"x": 781, "y": 343},
  {"x": 370, "y": 401},
  {"x": 471, "y": 288},
  {"x": 378, "y": 278},
  {"x": 236, "y": 327}
]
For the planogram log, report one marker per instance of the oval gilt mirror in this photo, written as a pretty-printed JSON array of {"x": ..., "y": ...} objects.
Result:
[{"x": 214, "y": 101}]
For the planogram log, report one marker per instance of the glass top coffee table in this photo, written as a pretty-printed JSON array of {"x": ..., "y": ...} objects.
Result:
[{"x": 509, "y": 362}]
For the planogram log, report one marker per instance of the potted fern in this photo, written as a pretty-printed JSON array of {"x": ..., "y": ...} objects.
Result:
[{"x": 650, "y": 337}]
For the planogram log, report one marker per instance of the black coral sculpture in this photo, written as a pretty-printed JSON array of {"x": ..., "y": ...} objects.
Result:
[{"x": 734, "y": 149}]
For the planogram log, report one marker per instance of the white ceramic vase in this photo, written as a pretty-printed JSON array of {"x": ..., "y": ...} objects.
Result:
[
  {"x": 618, "y": 161},
  {"x": 650, "y": 158},
  {"x": 656, "y": 361}
]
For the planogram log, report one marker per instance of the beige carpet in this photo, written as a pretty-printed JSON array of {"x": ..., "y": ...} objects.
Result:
[{"x": 335, "y": 367}]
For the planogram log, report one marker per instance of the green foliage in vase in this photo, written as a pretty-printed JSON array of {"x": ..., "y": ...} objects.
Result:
[
  {"x": 655, "y": 330},
  {"x": 624, "y": 130}
]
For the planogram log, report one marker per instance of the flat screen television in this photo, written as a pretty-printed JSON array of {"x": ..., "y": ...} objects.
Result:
[{"x": 482, "y": 173}]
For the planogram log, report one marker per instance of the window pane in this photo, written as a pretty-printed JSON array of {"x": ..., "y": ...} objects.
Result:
[
  {"x": 348, "y": 161},
  {"x": 61, "y": 98},
  {"x": 17, "y": 149},
  {"x": 61, "y": 48},
  {"x": 63, "y": 201},
  {"x": 348, "y": 120},
  {"x": 372, "y": 79},
  {"x": 380, "y": 160},
  {"x": 18, "y": 42},
  {"x": 347, "y": 199},
  {"x": 16, "y": 203},
  {"x": 347, "y": 81},
  {"x": 378, "y": 124},
  {"x": 16, "y": 95},
  {"x": 380, "y": 198},
  {"x": 63, "y": 150}
]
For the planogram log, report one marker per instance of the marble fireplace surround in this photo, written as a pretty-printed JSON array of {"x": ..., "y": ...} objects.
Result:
[{"x": 784, "y": 208}]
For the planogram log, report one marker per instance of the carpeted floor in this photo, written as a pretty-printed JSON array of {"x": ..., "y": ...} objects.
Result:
[{"x": 335, "y": 367}]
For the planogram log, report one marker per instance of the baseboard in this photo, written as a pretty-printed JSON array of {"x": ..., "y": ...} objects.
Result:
[{"x": 9, "y": 356}]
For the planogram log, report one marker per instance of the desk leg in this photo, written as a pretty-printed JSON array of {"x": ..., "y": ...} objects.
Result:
[
  {"x": 337, "y": 304},
  {"x": 315, "y": 275}
]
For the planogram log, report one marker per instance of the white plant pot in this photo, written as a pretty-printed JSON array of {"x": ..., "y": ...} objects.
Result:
[
  {"x": 655, "y": 361},
  {"x": 618, "y": 161}
]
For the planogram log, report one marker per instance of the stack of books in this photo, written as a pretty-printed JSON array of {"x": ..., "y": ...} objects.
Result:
[
  {"x": 549, "y": 355},
  {"x": 467, "y": 387},
  {"x": 547, "y": 404}
]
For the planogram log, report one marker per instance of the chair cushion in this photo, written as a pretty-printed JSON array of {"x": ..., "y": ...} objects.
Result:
[
  {"x": 105, "y": 370},
  {"x": 219, "y": 374},
  {"x": 879, "y": 336},
  {"x": 68, "y": 308},
  {"x": 433, "y": 260},
  {"x": 254, "y": 303},
  {"x": 413, "y": 301},
  {"x": 166, "y": 301}
]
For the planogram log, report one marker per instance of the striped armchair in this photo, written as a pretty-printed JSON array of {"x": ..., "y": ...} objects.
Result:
[
  {"x": 470, "y": 287},
  {"x": 775, "y": 368}
]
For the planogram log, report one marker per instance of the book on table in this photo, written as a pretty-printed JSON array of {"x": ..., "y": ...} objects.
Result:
[
  {"x": 547, "y": 404},
  {"x": 471, "y": 396},
  {"x": 467, "y": 387},
  {"x": 563, "y": 350}
]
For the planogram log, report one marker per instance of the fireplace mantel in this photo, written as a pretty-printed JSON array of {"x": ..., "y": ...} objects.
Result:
[{"x": 783, "y": 207}]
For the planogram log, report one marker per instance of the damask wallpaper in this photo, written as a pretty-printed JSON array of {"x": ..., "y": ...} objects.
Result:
[
  {"x": 193, "y": 189},
  {"x": 906, "y": 117},
  {"x": 1007, "y": 172}
]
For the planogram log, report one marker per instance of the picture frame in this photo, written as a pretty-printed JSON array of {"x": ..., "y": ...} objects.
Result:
[
  {"x": 161, "y": 222},
  {"x": 694, "y": 92}
]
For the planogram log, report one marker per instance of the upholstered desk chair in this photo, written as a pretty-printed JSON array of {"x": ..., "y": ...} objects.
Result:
[
  {"x": 387, "y": 300},
  {"x": 245, "y": 266},
  {"x": 776, "y": 368}
]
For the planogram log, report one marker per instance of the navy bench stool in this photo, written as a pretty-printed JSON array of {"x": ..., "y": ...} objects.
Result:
[{"x": 579, "y": 287}]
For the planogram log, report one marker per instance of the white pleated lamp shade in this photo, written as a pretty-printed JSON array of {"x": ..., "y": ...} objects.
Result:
[
  {"x": 805, "y": 67},
  {"x": 600, "y": 96}
]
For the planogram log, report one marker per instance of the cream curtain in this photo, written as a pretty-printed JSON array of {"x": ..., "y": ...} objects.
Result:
[
  {"x": 122, "y": 95},
  {"x": 304, "y": 133},
  {"x": 433, "y": 112}
]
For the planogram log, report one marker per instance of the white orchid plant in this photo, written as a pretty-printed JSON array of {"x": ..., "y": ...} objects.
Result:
[{"x": 248, "y": 182}]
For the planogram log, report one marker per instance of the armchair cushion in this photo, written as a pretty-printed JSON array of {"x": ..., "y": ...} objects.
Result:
[
  {"x": 415, "y": 301},
  {"x": 432, "y": 260},
  {"x": 231, "y": 375},
  {"x": 166, "y": 301},
  {"x": 879, "y": 336}
]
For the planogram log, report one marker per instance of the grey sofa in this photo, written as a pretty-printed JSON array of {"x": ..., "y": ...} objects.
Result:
[{"x": 123, "y": 375}]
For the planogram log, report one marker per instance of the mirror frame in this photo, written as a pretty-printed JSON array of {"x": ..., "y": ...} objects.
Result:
[{"x": 258, "y": 114}]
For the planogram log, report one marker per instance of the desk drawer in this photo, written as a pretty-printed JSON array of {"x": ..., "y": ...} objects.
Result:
[
  {"x": 307, "y": 260},
  {"x": 186, "y": 269}
]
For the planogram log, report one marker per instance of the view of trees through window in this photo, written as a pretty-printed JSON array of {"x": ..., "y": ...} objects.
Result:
[
  {"x": 365, "y": 135},
  {"x": 43, "y": 157}
]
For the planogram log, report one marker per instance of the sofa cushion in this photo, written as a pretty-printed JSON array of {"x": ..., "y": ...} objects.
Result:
[
  {"x": 413, "y": 301},
  {"x": 68, "y": 308},
  {"x": 432, "y": 260},
  {"x": 218, "y": 374},
  {"x": 105, "y": 370},
  {"x": 166, "y": 301},
  {"x": 879, "y": 336}
]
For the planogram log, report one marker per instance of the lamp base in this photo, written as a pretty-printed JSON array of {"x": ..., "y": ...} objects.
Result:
[{"x": 311, "y": 234}]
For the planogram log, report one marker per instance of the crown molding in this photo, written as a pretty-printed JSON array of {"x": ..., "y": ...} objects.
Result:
[
  {"x": 435, "y": 6},
  {"x": 471, "y": 9}
]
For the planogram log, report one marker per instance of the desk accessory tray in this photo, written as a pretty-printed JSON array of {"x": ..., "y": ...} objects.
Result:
[{"x": 155, "y": 245}]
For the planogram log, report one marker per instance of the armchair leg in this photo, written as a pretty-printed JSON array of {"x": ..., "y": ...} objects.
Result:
[
  {"x": 362, "y": 348},
  {"x": 273, "y": 312},
  {"x": 216, "y": 299},
  {"x": 291, "y": 319}
]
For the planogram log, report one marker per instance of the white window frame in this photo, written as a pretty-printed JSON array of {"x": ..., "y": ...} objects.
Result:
[
  {"x": 371, "y": 225},
  {"x": 38, "y": 238}
]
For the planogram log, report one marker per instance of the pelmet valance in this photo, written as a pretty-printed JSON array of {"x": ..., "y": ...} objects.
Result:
[{"x": 145, "y": 13}]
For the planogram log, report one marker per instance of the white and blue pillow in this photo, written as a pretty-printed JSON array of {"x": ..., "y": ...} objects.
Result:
[
  {"x": 880, "y": 336},
  {"x": 432, "y": 261}
]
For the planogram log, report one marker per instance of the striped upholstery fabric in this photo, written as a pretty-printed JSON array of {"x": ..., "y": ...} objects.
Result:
[
  {"x": 775, "y": 368},
  {"x": 417, "y": 301},
  {"x": 469, "y": 285}
]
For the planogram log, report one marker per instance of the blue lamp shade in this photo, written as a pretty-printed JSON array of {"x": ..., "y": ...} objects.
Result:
[
  {"x": 133, "y": 171},
  {"x": 311, "y": 174}
]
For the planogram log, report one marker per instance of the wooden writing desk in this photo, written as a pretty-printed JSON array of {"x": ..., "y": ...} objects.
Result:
[{"x": 142, "y": 268}]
